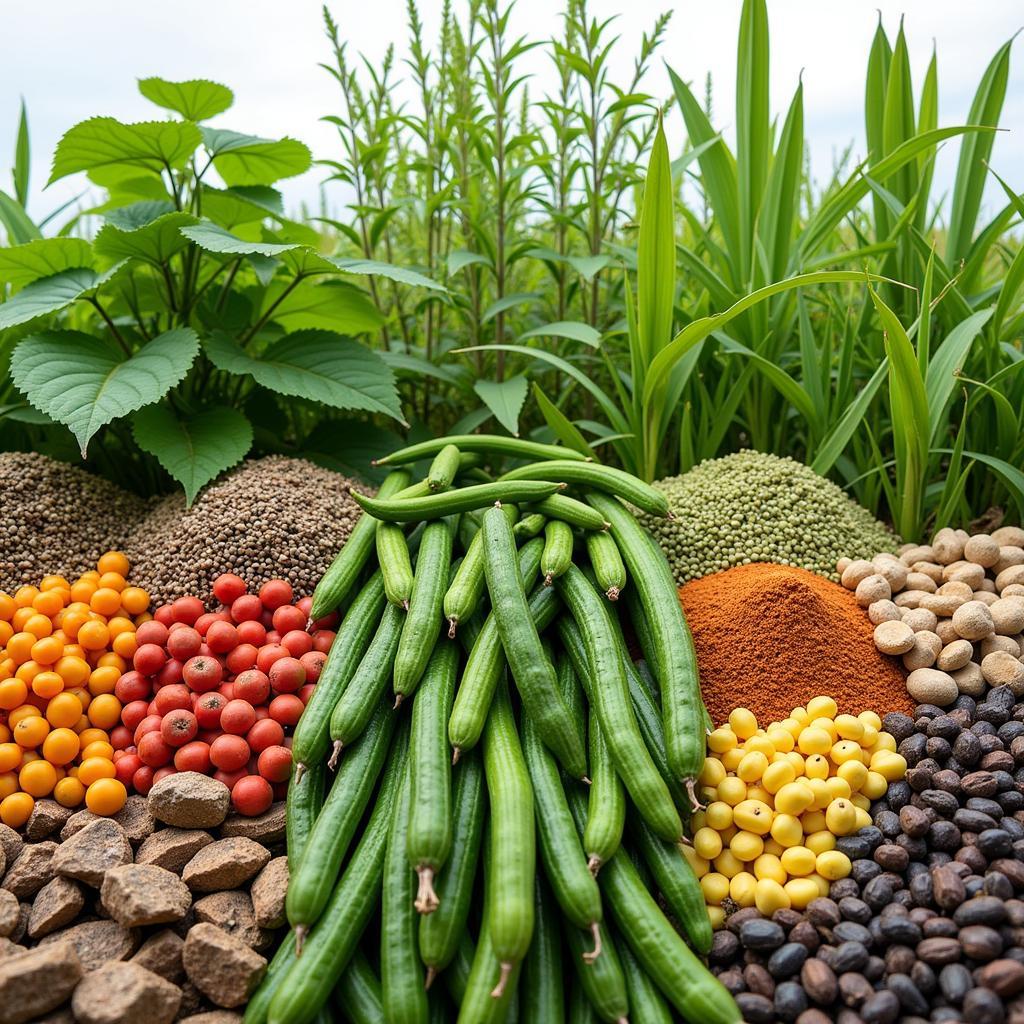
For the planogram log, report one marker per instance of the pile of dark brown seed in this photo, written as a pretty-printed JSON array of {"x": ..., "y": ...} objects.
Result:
[
  {"x": 271, "y": 518},
  {"x": 56, "y": 518},
  {"x": 929, "y": 926}
]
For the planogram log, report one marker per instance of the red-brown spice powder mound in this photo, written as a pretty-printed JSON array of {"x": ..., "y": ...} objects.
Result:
[{"x": 771, "y": 637}]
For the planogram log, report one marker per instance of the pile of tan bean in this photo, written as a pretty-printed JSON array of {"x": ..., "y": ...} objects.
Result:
[{"x": 952, "y": 609}]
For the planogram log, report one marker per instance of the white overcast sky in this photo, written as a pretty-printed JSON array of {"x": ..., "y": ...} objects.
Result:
[{"x": 73, "y": 60}]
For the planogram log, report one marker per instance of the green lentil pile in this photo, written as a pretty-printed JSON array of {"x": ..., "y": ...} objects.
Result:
[{"x": 754, "y": 507}]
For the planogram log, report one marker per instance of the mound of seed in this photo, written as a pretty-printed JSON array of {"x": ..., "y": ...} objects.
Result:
[
  {"x": 270, "y": 518},
  {"x": 56, "y": 518},
  {"x": 755, "y": 507}
]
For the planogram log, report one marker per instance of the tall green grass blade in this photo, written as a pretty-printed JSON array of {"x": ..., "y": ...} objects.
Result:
[
  {"x": 946, "y": 365},
  {"x": 753, "y": 147},
  {"x": 924, "y": 317},
  {"x": 956, "y": 479},
  {"x": 22, "y": 159},
  {"x": 879, "y": 59},
  {"x": 563, "y": 428},
  {"x": 898, "y": 120},
  {"x": 782, "y": 192},
  {"x": 927, "y": 120},
  {"x": 835, "y": 442}
]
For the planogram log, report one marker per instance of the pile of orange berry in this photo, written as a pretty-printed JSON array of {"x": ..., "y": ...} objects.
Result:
[{"x": 63, "y": 647}]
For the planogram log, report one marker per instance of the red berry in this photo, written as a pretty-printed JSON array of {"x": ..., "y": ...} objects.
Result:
[
  {"x": 179, "y": 727},
  {"x": 242, "y": 658},
  {"x": 173, "y": 698},
  {"x": 151, "y": 723},
  {"x": 142, "y": 780},
  {"x": 306, "y": 692},
  {"x": 286, "y": 709},
  {"x": 252, "y": 632},
  {"x": 132, "y": 686},
  {"x": 149, "y": 659},
  {"x": 203, "y": 673},
  {"x": 252, "y": 795},
  {"x": 153, "y": 751},
  {"x": 229, "y": 753},
  {"x": 227, "y": 691},
  {"x": 287, "y": 675},
  {"x": 253, "y": 686},
  {"x": 133, "y": 713},
  {"x": 275, "y": 764},
  {"x": 265, "y": 733},
  {"x": 193, "y": 757},
  {"x": 246, "y": 608},
  {"x": 322, "y": 640},
  {"x": 125, "y": 767},
  {"x": 268, "y": 655},
  {"x": 152, "y": 632},
  {"x": 297, "y": 642},
  {"x": 288, "y": 617},
  {"x": 230, "y": 778},
  {"x": 313, "y": 663},
  {"x": 207, "y": 619},
  {"x": 162, "y": 773},
  {"x": 305, "y": 605},
  {"x": 329, "y": 621},
  {"x": 170, "y": 673},
  {"x": 275, "y": 593},
  {"x": 208, "y": 709},
  {"x": 228, "y": 587},
  {"x": 238, "y": 717},
  {"x": 120, "y": 738},
  {"x": 187, "y": 610},
  {"x": 262, "y": 712},
  {"x": 273, "y": 637},
  {"x": 221, "y": 637},
  {"x": 183, "y": 643}
]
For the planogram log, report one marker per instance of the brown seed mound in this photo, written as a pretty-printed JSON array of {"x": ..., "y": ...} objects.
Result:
[
  {"x": 274, "y": 517},
  {"x": 56, "y": 518}
]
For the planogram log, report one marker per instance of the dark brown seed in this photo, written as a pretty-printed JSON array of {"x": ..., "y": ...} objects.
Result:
[
  {"x": 758, "y": 980},
  {"x": 981, "y": 783},
  {"x": 806, "y": 934},
  {"x": 854, "y": 988},
  {"x": 947, "y": 887},
  {"x": 1005, "y": 977},
  {"x": 880, "y": 1008},
  {"x": 823, "y": 912},
  {"x": 915, "y": 821},
  {"x": 980, "y": 942},
  {"x": 938, "y": 951},
  {"x": 819, "y": 981},
  {"x": 892, "y": 857}
]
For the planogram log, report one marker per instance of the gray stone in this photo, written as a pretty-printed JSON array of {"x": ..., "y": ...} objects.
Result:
[
  {"x": 161, "y": 954},
  {"x": 134, "y": 818},
  {"x": 37, "y": 981},
  {"x": 32, "y": 869},
  {"x": 46, "y": 818},
  {"x": 267, "y": 828},
  {"x": 89, "y": 854},
  {"x": 172, "y": 848},
  {"x": 143, "y": 894},
  {"x": 11, "y": 843},
  {"x": 97, "y": 942},
  {"x": 225, "y": 864},
  {"x": 233, "y": 912},
  {"x": 57, "y": 904},
  {"x": 224, "y": 969},
  {"x": 125, "y": 993},
  {"x": 189, "y": 800},
  {"x": 9, "y": 910},
  {"x": 269, "y": 889}
]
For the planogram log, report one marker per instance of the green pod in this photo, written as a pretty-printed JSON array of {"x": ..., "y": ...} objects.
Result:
[
  {"x": 581, "y": 1010},
  {"x": 301, "y": 808},
  {"x": 482, "y": 1002},
  {"x": 441, "y": 931},
  {"x": 462, "y": 499},
  {"x": 429, "y": 833},
  {"x": 677, "y": 883},
  {"x": 443, "y": 469},
  {"x": 560, "y": 851},
  {"x": 258, "y": 1006},
  {"x": 570, "y": 510},
  {"x": 401, "y": 972},
  {"x": 356, "y": 705},
  {"x": 357, "y": 996},
  {"x": 533, "y": 673},
  {"x": 423, "y": 621},
  {"x": 646, "y": 1003},
  {"x": 600, "y": 976},
  {"x": 675, "y": 664},
  {"x": 572, "y": 693},
  {"x": 462, "y": 598},
  {"x": 395, "y": 563},
  {"x": 309, "y": 889},
  {"x": 486, "y": 444},
  {"x": 341, "y": 575},
  {"x": 606, "y": 802},
  {"x": 541, "y": 989},
  {"x": 308, "y": 981},
  {"x": 558, "y": 543},
  {"x": 598, "y": 477},
  {"x": 529, "y": 526},
  {"x": 456, "y": 976},
  {"x": 604, "y": 679},
  {"x": 310, "y": 742},
  {"x": 607, "y": 562},
  {"x": 511, "y": 861}
]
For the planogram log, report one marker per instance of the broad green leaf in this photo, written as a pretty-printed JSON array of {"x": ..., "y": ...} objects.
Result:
[
  {"x": 506, "y": 303},
  {"x": 137, "y": 215},
  {"x": 334, "y": 305},
  {"x": 250, "y": 160},
  {"x": 16, "y": 222},
  {"x": 458, "y": 259},
  {"x": 50, "y": 294},
  {"x": 242, "y": 205},
  {"x": 564, "y": 429},
  {"x": 588, "y": 266},
  {"x": 196, "y": 100},
  {"x": 375, "y": 268},
  {"x": 43, "y": 257},
  {"x": 946, "y": 363},
  {"x": 320, "y": 366},
  {"x": 86, "y": 382},
  {"x": 753, "y": 145},
  {"x": 105, "y": 142},
  {"x": 574, "y": 330},
  {"x": 505, "y": 399},
  {"x": 196, "y": 449},
  {"x": 212, "y": 238},
  {"x": 155, "y": 242}
]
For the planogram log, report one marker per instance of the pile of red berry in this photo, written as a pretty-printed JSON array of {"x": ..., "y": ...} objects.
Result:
[{"x": 221, "y": 692}]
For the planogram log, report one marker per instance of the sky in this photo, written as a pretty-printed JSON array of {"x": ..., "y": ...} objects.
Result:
[{"x": 71, "y": 61}]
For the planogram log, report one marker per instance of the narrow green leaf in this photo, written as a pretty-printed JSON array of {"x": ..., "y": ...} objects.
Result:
[
  {"x": 196, "y": 100},
  {"x": 782, "y": 191},
  {"x": 588, "y": 266},
  {"x": 924, "y": 318},
  {"x": 375, "y": 268},
  {"x": 505, "y": 399},
  {"x": 947, "y": 362},
  {"x": 459, "y": 259},
  {"x": 927, "y": 120},
  {"x": 573, "y": 330},
  {"x": 22, "y": 159},
  {"x": 835, "y": 442},
  {"x": 898, "y": 120},
  {"x": 752, "y": 122},
  {"x": 16, "y": 222},
  {"x": 563, "y": 428},
  {"x": 506, "y": 303}
]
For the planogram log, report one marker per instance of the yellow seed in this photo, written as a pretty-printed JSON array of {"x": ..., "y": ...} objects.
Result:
[
  {"x": 722, "y": 740},
  {"x": 753, "y": 816},
  {"x": 814, "y": 741},
  {"x": 822, "y": 794},
  {"x": 849, "y": 728},
  {"x": 728, "y": 833},
  {"x": 812, "y": 821},
  {"x": 833, "y": 865},
  {"x": 697, "y": 821},
  {"x": 840, "y": 817},
  {"x": 816, "y": 766},
  {"x": 870, "y": 736},
  {"x": 863, "y": 819},
  {"x": 761, "y": 743},
  {"x": 752, "y": 767},
  {"x": 773, "y": 846},
  {"x": 823, "y": 884},
  {"x": 889, "y": 765},
  {"x": 822, "y": 707},
  {"x": 778, "y": 775},
  {"x": 782, "y": 739},
  {"x": 732, "y": 790},
  {"x": 885, "y": 741},
  {"x": 798, "y": 860},
  {"x": 768, "y": 865},
  {"x": 760, "y": 794},
  {"x": 715, "y": 887},
  {"x": 707, "y": 794},
  {"x": 742, "y": 887},
  {"x": 839, "y": 787},
  {"x": 854, "y": 773},
  {"x": 707, "y": 843},
  {"x": 801, "y": 891},
  {"x": 769, "y": 896},
  {"x": 870, "y": 718},
  {"x": 800, "y": 715},
  {"x": 826, "y": 725},
  {"x": 699, "y": 865},
  {"x": 713, "y": 772},
  {"x": 845, "y": 750},
  {"x": 796, "y": 759},
  {"x": 794, "y": 797},
  {"x": 728, "y": 865},
  {"x": 743, "y": 723},
  {"x": 732, "y": 758},
  {"x": 874, "y": 786},
  {"x": 778, "y": 756},
  {"x": 792, "y": 726},
  {"x": 860, "y": 800},
  {"x": 787, "y": 830},
  {"x": 746, "y": 846},
  {"x": 819, "y": 842},
  {"x": 716, "y": 915},
  {"x": 718, "y": 814}
]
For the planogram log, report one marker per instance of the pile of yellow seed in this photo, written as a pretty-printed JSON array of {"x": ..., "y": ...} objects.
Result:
[{"x": 777, "y": 798}]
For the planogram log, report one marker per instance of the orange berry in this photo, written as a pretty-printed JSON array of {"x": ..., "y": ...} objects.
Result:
[
  {"x": 49, "y": 602},
  {"x": 21, "y": 616},
  {"x": 69, "y": 792},
  {"x": 7, "y": 667},
  {"x": 82, "y": 725},
  {"x": 12, "y": 694},
  {"x": 135, "y": 600},
  {"x": 94, "y": 768},
  {"x": 61, "y": 746},
  {"x": 83, "y": 696},
  {"x": 48, "y": 650},
  {"x": 6, "y": 632},
  {"x": 38, "y": 778},
  {"x": 64, "y": 710},
  {"x": 16, "y": 809},
  {"x": 120, "y": 624},
  {"x": 125, "y": 645},
  {"x": 143, "y": 617},
  {"x": 47, "y": 685},
  {"x": 19, "y": 647},
  {"x": 98, "y": 748},
  {"x": 113, "y": 581},
  {"x": 30, "y": 732},
  {"x": 113, "y": 561},
  {"x": 54, "y": 583},
  {"x": 7, "y": 606},
  {"x": 71, "y": 622},
  {"x": 10, "y": 757},
  {"x": 105, "y": 601},
  {"x": 94, "y": 636},
  {"x": 83, "y": 590},
  {"x": 112, "y": 660},
  {"x": 5, "y": 734},
  {"x": 24, "y": 596},
  {"x": 105, "y": 711},
  {"x": 104, "y": 679},
  {"x": 21, "y": 712},
  {"x": 106, "y": 796},
  {"x": 92, "y": 735},
  {"x": 39, "y": 625},
  {"x": 28, "y": 670},
  {"x": 72, "y": 669},
  {"x": 30, "y": 755},
  {"x": 8, "y": 784},
  {"x": 74, "y": 651},
  {"x": 92, "y": 576}
]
